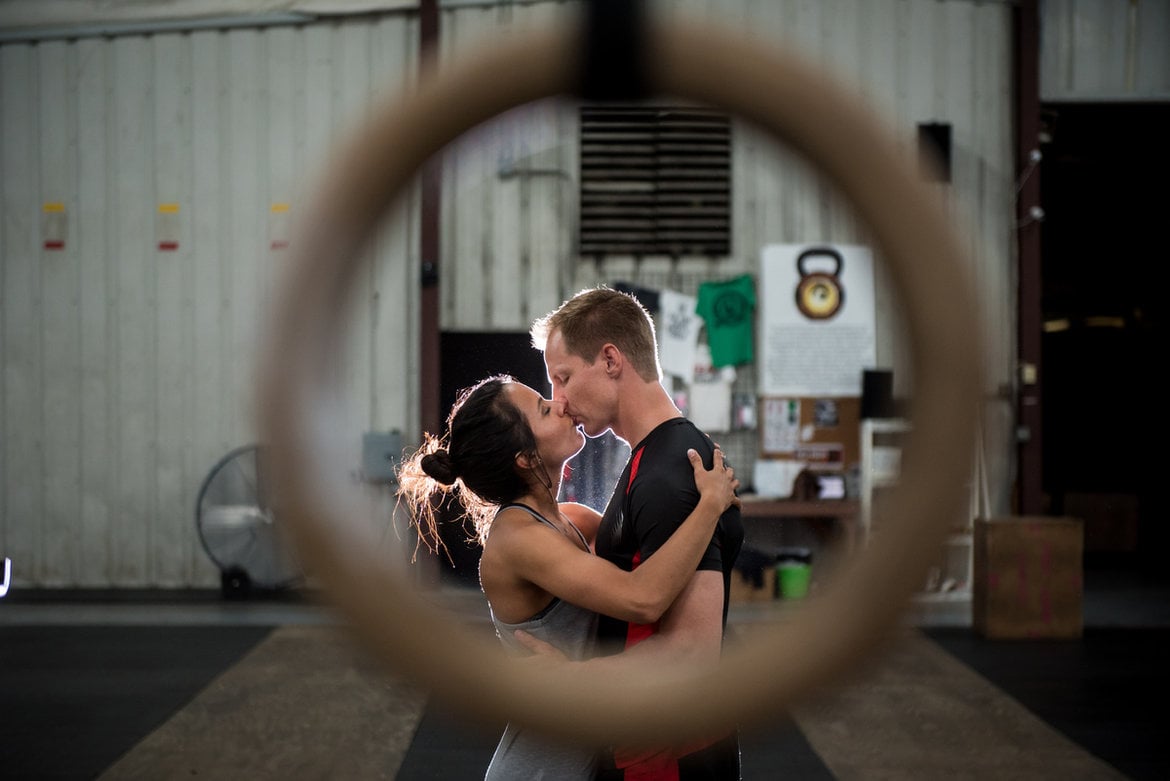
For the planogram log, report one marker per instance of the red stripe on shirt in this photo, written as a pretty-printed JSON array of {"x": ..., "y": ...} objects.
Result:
[
  {"x": 636, "y": 633},
  {"x": 634, "y": 468}
]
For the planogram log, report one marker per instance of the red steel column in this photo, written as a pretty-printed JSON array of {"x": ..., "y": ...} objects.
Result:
[
  {"x": 1030, "y": 439},
  {"x": 430, "y": 417}
]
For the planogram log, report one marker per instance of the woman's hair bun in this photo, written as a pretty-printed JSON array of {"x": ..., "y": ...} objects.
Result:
[{"x": 439, "y": 467}]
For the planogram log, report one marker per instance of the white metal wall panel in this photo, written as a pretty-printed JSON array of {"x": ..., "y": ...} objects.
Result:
[
  {"x": 1151, "y": 69},
  {"x": 91, "y": 241},
  {"x": 23, "y": 454},
  {"x": 132, "y": 212},
  {"x": 912, "y": 60},
  {"x": 33, "y": 16},
  {"x": 394, "y": 305},
  {"x": 351, "y": 92},
  {"x": 509, "y": 192},
  {"x": 171, "y": 543},
  {"x": 465, "y": 248},
  {"x": 127, "y": 370},
  {"x": 987, "y": 214},
  {"x": 59, "y": 325},
  {"x": 209, "y": 378},
  {"x": 1105, "y": 50},
  {"x": 128, "y": 364}
]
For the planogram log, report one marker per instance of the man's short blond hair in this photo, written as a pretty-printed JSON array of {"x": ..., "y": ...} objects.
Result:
[{"x": 598, "y": 316}]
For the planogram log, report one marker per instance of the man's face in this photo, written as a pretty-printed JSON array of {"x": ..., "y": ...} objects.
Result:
[{"x": 585, "y": 389}]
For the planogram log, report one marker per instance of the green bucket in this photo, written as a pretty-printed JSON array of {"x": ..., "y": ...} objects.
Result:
[
  {"x": 793, "y": 578},
  {"x": 793, "y": 573}
]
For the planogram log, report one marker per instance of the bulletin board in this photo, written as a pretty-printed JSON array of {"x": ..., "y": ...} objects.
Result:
[
  {"x": 821, "y": 433},
  {"x": 817, "y": 335}
]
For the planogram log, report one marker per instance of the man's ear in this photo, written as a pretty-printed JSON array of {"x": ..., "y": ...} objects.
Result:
[{"x": 612, "y": 359}]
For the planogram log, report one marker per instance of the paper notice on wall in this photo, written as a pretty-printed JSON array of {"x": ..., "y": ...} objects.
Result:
[
  {"x": 775, "y": 478},
  {"x": 678, "y": 334},
  {"x": 709, "y": 396},
  {"x": 711, "y": 405},
  {"x": 781, "y": 421},
  {"x": 817, "y": 328}
]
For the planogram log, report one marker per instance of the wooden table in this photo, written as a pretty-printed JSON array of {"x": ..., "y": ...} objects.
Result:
[{"x": 845, "y": 513}]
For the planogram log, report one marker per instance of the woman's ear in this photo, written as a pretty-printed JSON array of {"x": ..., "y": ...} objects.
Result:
[{"x": 525, "y": 460}]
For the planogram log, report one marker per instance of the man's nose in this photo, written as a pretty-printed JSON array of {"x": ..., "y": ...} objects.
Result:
[{"x": 560, "y": 407}]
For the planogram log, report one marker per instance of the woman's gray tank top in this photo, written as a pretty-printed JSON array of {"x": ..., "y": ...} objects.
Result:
[{"x": 521, "y": 754}]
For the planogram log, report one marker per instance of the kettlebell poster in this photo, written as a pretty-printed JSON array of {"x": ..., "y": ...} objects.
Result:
[{"x": 817, "y": 330}]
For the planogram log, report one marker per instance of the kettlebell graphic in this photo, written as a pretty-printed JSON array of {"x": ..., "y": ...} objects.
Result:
[{"x": 819, "y": 295}]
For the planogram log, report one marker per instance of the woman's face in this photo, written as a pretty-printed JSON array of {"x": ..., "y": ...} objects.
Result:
[{"x": 557, "y": 438}]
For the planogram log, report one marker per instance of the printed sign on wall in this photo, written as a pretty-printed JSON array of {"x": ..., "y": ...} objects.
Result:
[{"x": 816, "y": 319}]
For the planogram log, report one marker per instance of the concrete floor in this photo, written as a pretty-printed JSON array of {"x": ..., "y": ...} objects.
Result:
[{"x": 969, "y": 712}]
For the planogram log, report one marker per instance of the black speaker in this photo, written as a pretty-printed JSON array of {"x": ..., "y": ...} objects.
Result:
[
  {"x": 877, "y": 394},
  {"x": 934, "y": 151}
]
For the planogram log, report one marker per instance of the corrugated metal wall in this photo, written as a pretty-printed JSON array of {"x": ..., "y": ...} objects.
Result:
[
  {"x": 510, "y": 189},
  {"x": 174, "y": 164},
  {"x": 1104, "y": 50},
  {"x": 127, "y": 369}
]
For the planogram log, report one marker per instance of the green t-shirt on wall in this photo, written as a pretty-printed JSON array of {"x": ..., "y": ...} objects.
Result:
[{"x": 726, "y": 308}]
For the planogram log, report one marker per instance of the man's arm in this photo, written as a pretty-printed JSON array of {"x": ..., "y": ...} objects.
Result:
[{"x": 691, "y": 630}]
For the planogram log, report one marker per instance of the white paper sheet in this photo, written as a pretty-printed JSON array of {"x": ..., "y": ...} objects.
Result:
[{"x": 678, "y": 334}]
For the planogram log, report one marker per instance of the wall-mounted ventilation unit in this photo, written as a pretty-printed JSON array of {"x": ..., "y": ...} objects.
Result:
[{"x": 655, "y": 180}]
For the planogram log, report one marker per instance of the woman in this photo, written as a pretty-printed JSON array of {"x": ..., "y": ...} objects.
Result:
[{"x": 505, "y": 451}]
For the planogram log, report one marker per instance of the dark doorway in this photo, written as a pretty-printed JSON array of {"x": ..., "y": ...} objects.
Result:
[
  {"x": 1103, "y": 182},
  {"x": 465, "y": 359}
]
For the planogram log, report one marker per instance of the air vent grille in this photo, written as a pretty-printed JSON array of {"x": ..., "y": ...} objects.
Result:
[{"x": 655, "y": 181}]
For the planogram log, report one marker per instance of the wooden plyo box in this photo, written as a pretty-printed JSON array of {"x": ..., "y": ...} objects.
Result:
[{"x": 1028, "y": 579}]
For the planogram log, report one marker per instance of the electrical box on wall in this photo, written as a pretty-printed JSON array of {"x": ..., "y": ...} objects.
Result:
[{"x": 381, "y": 452}]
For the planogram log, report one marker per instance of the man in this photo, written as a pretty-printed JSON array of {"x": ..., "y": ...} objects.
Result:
[{"x": 601, "y": 354}]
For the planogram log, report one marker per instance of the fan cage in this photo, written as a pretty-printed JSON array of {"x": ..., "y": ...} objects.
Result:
[{"x": 239, "y": 529}]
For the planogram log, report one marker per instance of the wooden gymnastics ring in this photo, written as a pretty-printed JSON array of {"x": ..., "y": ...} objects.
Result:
[{"x": 825, "y": 637}]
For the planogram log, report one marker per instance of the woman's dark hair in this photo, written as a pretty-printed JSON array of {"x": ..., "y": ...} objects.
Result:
[{"x": 476, "y": 459}]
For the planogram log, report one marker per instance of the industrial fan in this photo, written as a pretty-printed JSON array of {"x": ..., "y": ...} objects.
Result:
[{"x": 239, "y": 529}]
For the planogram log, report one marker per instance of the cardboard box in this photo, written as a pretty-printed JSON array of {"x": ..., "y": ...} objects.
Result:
[
  {"x": 744, "y": 589},
  {"x": 1028, "y": 577}
]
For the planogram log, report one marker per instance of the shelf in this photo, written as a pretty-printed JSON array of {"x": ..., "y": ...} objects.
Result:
[
  {"x": 887, "y": 425},
  {"x": 842, "y": 513},
  {"x": 880, "y": 464},
  {"x": 881, "y": 452},
  {"x": 795, "y": 508},
  {"x": 955, "y": 595}
]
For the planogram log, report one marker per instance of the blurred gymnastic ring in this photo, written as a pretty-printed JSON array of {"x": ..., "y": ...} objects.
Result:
[{"x": 826, "y": 637}]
